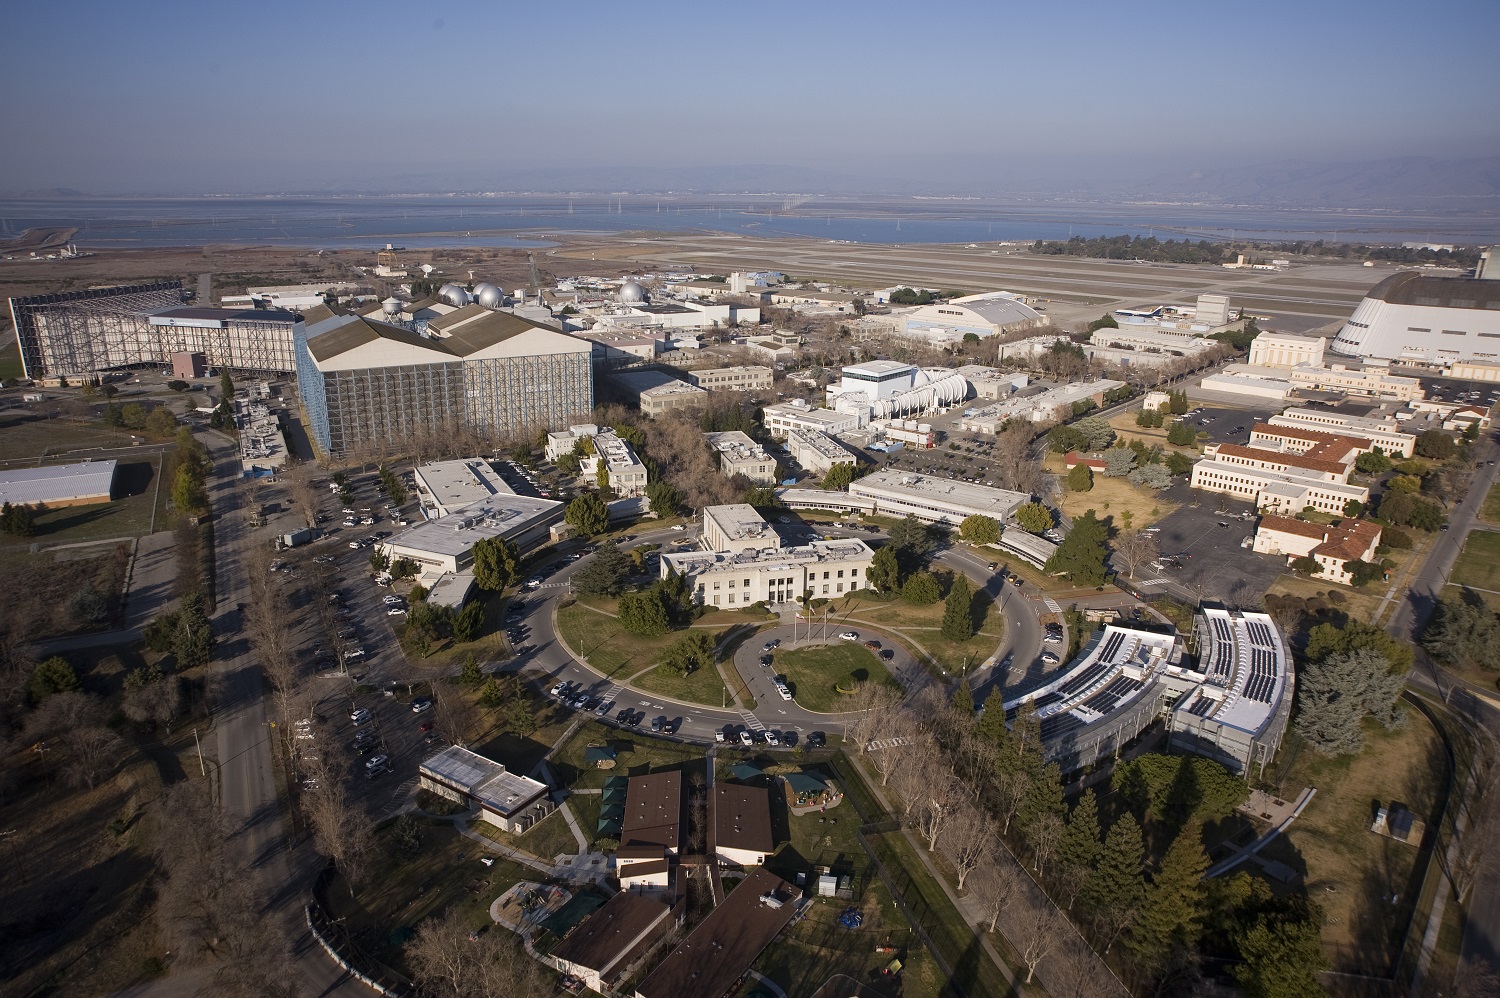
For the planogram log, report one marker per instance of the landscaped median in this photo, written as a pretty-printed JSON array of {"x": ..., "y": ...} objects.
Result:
[
  {"x": 922, "y": 626},
  {"x": 825, "y": 678}
]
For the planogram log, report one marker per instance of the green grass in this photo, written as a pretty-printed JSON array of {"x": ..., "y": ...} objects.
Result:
[
  {"x": 546, "y": 840},
  {"x": 922, "y": 624},
  {"x": 1490, "y": 511},
  {"x": 812, "y": 673},
  {"x": 703, "y": 686},
  {"x": 10, "y": 360},
  {"x": 23, "y": 435},
  {"x": 396, "y": 892},
  {"x": 603, "y": 642},
  {"x": 639, "y": 753},
  {"x": 1478, "y": 563},
  {"x": 128, "y": 516}
]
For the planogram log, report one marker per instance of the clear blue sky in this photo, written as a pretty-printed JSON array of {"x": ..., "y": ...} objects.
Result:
[{"x": 189, "y": 97}]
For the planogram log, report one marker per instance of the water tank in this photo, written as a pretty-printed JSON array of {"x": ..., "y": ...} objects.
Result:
[
  {"x": 488, "y": 295},
  {"x": 391, "y": 306},
  {"x": 632, "y": 293},
  {"x": 454, "y": 295}
]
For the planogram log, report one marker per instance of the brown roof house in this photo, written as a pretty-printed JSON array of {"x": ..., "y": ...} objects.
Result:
[
  {"x": 606, "y": 945},
  {"x": 741, "y": 824},
  {"x": 651, "y": 830},
  {"x": 1332, "y": 547}
]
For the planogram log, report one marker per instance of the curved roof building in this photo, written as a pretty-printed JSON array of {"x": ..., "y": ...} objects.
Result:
[
  {"x": 989, "y": 314},
  {"x": 1409, "y": 316}
]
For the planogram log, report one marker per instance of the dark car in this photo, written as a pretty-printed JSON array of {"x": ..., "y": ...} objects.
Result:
[
  {"x": 816, "y": 739},
  {"x": 658, "y": 723}
]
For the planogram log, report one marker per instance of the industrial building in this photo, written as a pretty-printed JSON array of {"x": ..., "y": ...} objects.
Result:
[
  {"x": 446, "y": 487},
  {"x": 51, "y": 486},
  {"x": 1270, "y": 383},
  {"x": 784, "y": 417},
  {"x": 1286, "y": 350},
  {"x": 739, "y": 455},
  {"x": 370, "y": 385},
  {"x": 506, "y": 800},
  {"x": 991, "y": 314},
  {"x": 934, "y": 500},
  {"x": 880, "y": 389},
  {"x": 744, "y": 562},
  {"x": 655, "y": 392},
  {"x": 1232, "y": 707},
  {"x": 733, "y": 379},
  {"x": 82, "y": 333},
  {"x": 1413, "y": 318}
]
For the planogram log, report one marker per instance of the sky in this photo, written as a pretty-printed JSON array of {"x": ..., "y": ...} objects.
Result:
[{"x": 202, "y": 97}]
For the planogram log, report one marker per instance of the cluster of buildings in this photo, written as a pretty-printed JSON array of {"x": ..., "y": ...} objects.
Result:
[
  {"x": 1042, "y": 406},
  {"x": 1286, "y": 469},
  {"x": 1231, "y": 705},
  {"x": 1333, "y": 547}
]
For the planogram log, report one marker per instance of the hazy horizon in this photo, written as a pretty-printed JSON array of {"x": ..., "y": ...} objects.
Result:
[{"x": 1286, "y": 102}]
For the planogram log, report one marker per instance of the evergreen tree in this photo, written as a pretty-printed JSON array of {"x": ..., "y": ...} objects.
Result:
[
  {"x": 663, "y": 497},
  {"x": 1172, "y": 916},
  {"x": 1044, "y": 796},
  {"x": 1115, "y": 892},
  {"x": 588, "y": 515},
  {"x": 53, "y": 675},
  {"x": 1080, "y": 847},
  {"x": 1035, "y": 518},
  {"x": 1282, "y": 959},
  {"x": 991, "y": 724},
  {"x": 470, "y": 675},
  {"x": 963, "y": 701},
  {"x": 921, "y": 589},
  {"x": 497, "y": 562},
  {"x": 981, "y": 529},
  {"x": 885, "y": 570},
  {"x": 958, "y": 611},
  {"x": 643, "y": 613},
  {"x": 1082, "y": 553},
  {"x": 1080, "y": 478},
  {"x": 605, "y": 573}
]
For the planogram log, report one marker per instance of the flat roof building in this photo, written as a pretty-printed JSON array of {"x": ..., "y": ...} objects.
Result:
[
  {"x": 445, "y": 487},
  {"x": 744, "y": 562},
  {"x": 740, "y": 455},
  {"x": 445, "y": 545},
  {"x": 55, "y": 485},
  {"x": 507, "y": 800},
  {"x": 816, "y": 452},
  {"x": 783, "y": 417},
  {"x": 655, "y": 392},
  {"x": 1286, "y": 350},
  {"x": 1372, "y": 383},
  {"x": 1383, "y": 433},
  {"x": 1041, "y": 407},
  {"x": 934, "y": 500},
  {"x": 733, "y": 379}
]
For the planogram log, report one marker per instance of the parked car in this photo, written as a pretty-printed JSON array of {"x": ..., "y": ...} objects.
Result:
[
  {"x": 784, "y": 690},
  {"x": 557, "y": 690},
  {"x": 360, "y": 715},
  {"x": 1049, "y": 658},
  {"x": 421, "y": 704},
  {"x": 746, "y": 738},
  {"x": 816, "y": 739},
  {"x": 772, "y": 738},
  {"x": 720, "y": 736},
  {"x": 395, "y": 611},
  {"x": 771, "y": 645},
  {"x": 849, "y": 636}
]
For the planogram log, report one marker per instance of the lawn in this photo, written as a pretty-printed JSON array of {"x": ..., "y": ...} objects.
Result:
[
  {"x": 1351, "y": 870},
  {"x": 1490, "y": 511},
  {"x": 703, "y": 686},
  {"x": 128, "y": 515},
  {"x": 638, "y": 753},
  {"x": 490, "y": 646},
  {"x": 603, "y": 642},
  {"x": 923, "y": 625},
  {"x": 1112, "y": 497},
  {"x": 812, "y": 673},
  {"x": 816, "y": 948},
  {"x": 1478, "y": 563},
  {"x": 23, "y": 434},
  {"x": 398, "y": 890},
  {"x": 547, "y": 839}
]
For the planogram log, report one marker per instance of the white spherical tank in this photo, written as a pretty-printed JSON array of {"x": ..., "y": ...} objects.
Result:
[
  {"x": 391, "y": 306},
  {"x": 488, "y": 295},
  {"x": 454, "y": 295},
  {"x": 631, "y": 293}
]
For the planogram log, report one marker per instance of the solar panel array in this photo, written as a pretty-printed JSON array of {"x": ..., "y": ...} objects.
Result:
[
  {"x": 1102, "y": 664},
  {"x": 1105, "y": 700}
]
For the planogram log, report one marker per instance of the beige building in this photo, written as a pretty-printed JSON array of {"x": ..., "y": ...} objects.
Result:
[
  {"x": 1277, "y": 481},
  {"x": 816, "y": 452},
  {"x": 784, "y": 417},
  {"x": 739, "y": 455},
  {"x": 1371, "y": 383},
  {"x": 744, "y": 562},
  {"x": 657, "y": 393},
  {"x": 733, "y": 379},
  {"x": 1331, "y": 547},
  {"x": 1383, "y": 433},
  {"x": 506, "y": 800},
  {"x": 1287, "y": 350},
  {"x": 627, "y": 475}
]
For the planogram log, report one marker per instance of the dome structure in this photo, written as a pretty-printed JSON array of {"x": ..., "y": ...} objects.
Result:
[
  {"x": 488, "y": 295},
  {"x": 632, "y": 293},
  {"x": 391, "y": 306},
  {"x": 454, "y": 295}
]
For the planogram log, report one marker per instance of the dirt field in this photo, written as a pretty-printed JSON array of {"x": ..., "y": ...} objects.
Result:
[{"x": 1112, "y": 497}]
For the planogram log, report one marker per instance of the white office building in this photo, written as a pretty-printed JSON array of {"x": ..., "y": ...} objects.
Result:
[
  {"x": 784, "y": 417},
  {"x": 1286, "y": 350},
  {"x": 935, "y": 500},
  {"x": 739, "y": 455},
  {"x": 1382, "y": 432},
  {"x": 816, "y": 452},
  {"x": 982, "y": 315}
]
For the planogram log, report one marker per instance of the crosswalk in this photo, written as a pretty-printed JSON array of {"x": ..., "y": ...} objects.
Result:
[
  {"x": 398, "y": 798},
  {"x": 1152, "y": 582},
  {"x": 612, "y": 695},
  {"x": 1051, "y": 604},
  {"x": 752, "y": 722},
  {"x": 884, "y": 743}
]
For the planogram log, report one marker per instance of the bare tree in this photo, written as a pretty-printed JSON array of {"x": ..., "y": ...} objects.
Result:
[
  {"x": 1043, "y": 835},
  {"x": 970, "y": 839},
  {"x": 1007, "y": 794},
  {"x": 155, "y": 702},
  {"x": 304, "y": 493},
  {"x": 872, "y": 704},
  {"x": 996, "y": 885},
  {"x": 340, "y": 830},
  {"x": 940, "y": 801},
  {"x": 440, "y": 954},
  {"x": 207, "y": 907},
  {"x": 1039, "y": 935},
  {"x": 75, "y": 720},
  {"x": 1077, "y": 972},
  {"x": 920, "y": 766},
  {"x": 1135, "y": 548}
]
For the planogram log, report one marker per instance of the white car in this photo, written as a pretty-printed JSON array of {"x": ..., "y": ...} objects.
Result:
[
  {"x": 1049, "y": 658},
  {"x": 746, "y": 738},
  {"x": 849, "y": 636},
  {"x": 395, "y": 611},
  {"x": 679, "y": 527},
  {"x": 772, "y": 738},
  {"x": 720, "y": 736},
  {"x": 533, "y": 582},
  {"x": 784, "y": 690},
  {"x": 558, "y": 689},
  {"x": 359, "y": 715}
]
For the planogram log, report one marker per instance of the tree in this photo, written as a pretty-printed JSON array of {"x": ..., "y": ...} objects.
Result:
[
  {"x": 1435, "y": 444},
  {"x": 1080, "y": 478},
  {"x": 604, "y": 574},
  {"x": 379, "y": 561},
  {"x": 1034, "y": 518},
  {"x": 1335, "y": 694},
  {"x": 161, "y": 422},
  {"x": 113, "y": 415},
  {"x": 963, "y": 701},
  {"x": 970, "y": 841},
  {"x": 1113, "y": 896},
  {"x": 588, "y": 515},
  {"x": 693, "y": 651},
  {"x": 1079, "y": 849},
  {"x": 921, "y": 589},
  {"x": 1281, "y": 959},
  {"x": 1354, "y": 509},
  {"x": 226, "y": 385},
  {"x": 497, "y": 563},
  {"x": 1082, "y": 553},
  {"x": 1135, "y": 548},
  {"x": 469, "y": 621},
  {"x": 188, "y": 493},
  {"x": 404, "y": 568},
  {"x": 958, "y": 611},
  {"x": 1464, "y": 632},
  {"x": 18, "y": 520},
  {"x": 1181, "y": 434},
  {"x": 471, "y": 675},
  {"x": 75, "y": 721},
  {"x": 663, "y": 497},
  {"x": 1172, "y": 916},
  {"x": 1372, "y": 463},
  {"x": 1097, "y": 432},
  {"x": 1178, "y": 463},
  {"x": 839, "y": 476},
  {"x": 912, "y": 539},
  {"x": 1179, "y": 789},
  {"x": 1306, "y": 565},
  {"x": 1362, "y": 573},
  {"x": 52, "y": 675},
  {"x": 761, "y": 495},
  {"x": 1152, "y": 476},
  {"x": 1326, "y": 639},
  {"x": 1118, "y": 462},
  {"x": 980, "y": 529},
  {"x": 643, "y": 613},
  {"x": 178, "y": 385},
  {"x": 150, "y": 697},
  {"x": 885, "y": 571},
  {"x": 1039, "y": 935},
  {"x": 995, "y": 885},
  {"x": 601, "y": 479},
  {"x": 1064, "y": 438}
]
